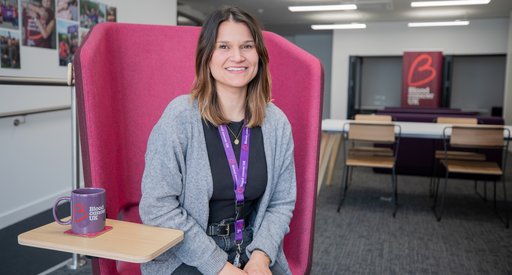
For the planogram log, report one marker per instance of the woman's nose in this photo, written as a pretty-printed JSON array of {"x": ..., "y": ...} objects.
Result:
[{"x": 237, "y": 55}]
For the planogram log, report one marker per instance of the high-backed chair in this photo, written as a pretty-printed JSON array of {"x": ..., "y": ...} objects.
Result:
[{"x": 123, "y": 85}]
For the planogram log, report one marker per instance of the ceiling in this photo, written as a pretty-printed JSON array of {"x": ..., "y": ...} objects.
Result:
[{"x": 275, "y": 16}]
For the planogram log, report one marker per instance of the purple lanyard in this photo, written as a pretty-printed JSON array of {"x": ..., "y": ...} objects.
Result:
[{"x": 239, "y": 173}]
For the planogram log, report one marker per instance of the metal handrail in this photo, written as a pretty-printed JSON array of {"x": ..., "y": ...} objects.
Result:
[
  {"x": 22, "y": 80},
  {"x": 35, "y": 111},
  {"x": 39, "y": 81}
]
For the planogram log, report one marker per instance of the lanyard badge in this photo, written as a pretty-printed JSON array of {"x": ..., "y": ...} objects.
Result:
[{"x": 239, "y": 174}]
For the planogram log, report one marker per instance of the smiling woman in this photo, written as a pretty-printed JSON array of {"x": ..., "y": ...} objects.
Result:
[
  {"x": 206, "y": 162},
  {"x": 234, "y": 64},
  {"x": 232, "y": 38}
]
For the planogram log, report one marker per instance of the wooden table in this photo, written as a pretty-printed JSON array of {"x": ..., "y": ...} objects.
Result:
[
  {"x": 333, "y": 128},
  {"x": 409, "y": 129},
  {"x": 126, "y": 241}
]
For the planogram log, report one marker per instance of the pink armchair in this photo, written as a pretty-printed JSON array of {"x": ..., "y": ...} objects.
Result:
[{"x": 125, "y": 76}]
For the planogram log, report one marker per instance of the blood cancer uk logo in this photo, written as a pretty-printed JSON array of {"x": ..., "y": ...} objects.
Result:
[
  {"x": 92, "y": 213},
  {"x": 79, "y": 213},
  {"x": 420, "y": 75},
  {"x": 421, "y": 71}
]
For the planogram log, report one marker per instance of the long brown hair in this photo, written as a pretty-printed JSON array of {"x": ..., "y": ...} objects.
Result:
[{"x": 258, "y": 89}]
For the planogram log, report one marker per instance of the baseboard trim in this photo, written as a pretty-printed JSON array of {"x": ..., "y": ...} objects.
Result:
[
  {"x": 25, "y": 211},
  {"x": 52, "y": 269}
]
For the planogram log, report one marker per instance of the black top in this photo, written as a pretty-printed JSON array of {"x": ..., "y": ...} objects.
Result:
[{"x": 222, "y": 203}]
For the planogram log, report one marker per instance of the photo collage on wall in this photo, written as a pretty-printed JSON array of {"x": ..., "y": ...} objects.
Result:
[
  {"x": 9, "y": 34},
  {"x": 92, "y": 13},
  {"x": 48, "y": 24}
]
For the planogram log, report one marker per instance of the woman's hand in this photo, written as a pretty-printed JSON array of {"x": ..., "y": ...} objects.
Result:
[
  {"x": 258, "y": 264},
  {"x": 229, "y": 269}
]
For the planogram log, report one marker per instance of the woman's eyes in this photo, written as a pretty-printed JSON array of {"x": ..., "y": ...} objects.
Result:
[{"x": 245, "y": 47}]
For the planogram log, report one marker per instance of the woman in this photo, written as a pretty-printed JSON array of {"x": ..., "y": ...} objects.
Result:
[{"x": 234, "y": 213}]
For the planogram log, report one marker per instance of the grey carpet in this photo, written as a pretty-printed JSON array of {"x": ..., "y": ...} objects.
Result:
[
  {"x": 18, "y": 259},
  {"x": 364, "y": 238}
]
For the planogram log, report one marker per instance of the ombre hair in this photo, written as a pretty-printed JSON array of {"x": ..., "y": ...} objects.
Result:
[{"x": 258, "y": 89}]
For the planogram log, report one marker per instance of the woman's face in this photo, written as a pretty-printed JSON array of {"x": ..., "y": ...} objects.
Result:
[
  {"x": 234, "y": 61},
  {"x": 46, "y": 3}
]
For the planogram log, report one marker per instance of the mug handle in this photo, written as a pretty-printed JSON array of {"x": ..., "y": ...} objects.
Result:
[{"x": 66, "y": 198}]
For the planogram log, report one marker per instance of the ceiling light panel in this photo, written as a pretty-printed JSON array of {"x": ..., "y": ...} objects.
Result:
[
  {"x": 438, "y": 24},
  {"x": 322, "y": 8},
  {"x": 338, "y": 26},
  {"x": 448, "y": 3},
  {"x": 435, "y": 14},
  {"x": 341, "y": 17}
]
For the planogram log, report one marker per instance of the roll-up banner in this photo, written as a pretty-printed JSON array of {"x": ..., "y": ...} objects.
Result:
[{"x": 422, "y": 79}]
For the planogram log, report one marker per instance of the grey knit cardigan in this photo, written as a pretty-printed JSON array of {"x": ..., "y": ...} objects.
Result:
[{"x": 177, "y": 186}]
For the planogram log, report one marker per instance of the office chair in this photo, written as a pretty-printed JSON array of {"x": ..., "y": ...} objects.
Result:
[
  {"x": 453, "y": 154},
  {"x": 370, "y": 149},
  {"x": 373, "y": 132},
  {"x": 123, "y": 85},
  {"x": 493, "y": 137}
]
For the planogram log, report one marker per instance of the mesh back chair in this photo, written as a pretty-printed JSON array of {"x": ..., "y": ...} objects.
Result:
[
  {"x": 123, "y": 85},
  {"x": 451, "y": 154},
  {"x": 382, "y": 133},
  {"x": 476, "y": 137}
]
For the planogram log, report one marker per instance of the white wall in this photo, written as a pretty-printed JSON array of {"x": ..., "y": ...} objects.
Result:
[
  {"x": 507, "y": 104},
  {"x": 35, "y": 163},
  {"x": 319, "y": 45},
  {"x": 480, "y": 37},
  {"x": 35, "y": 157},
  {"x": 45, "y": 62}
]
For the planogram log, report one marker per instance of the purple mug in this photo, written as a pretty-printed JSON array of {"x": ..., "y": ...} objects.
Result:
[{"x": 88, "y": 212}]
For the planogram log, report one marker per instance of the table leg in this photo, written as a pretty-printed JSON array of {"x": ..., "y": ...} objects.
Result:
[
  {"x": 336, "y": 139},
  {"x": 326, "y": 147}
]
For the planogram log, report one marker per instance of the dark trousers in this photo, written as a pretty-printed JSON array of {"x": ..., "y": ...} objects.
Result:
[{"x": 226, "y": 243}]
